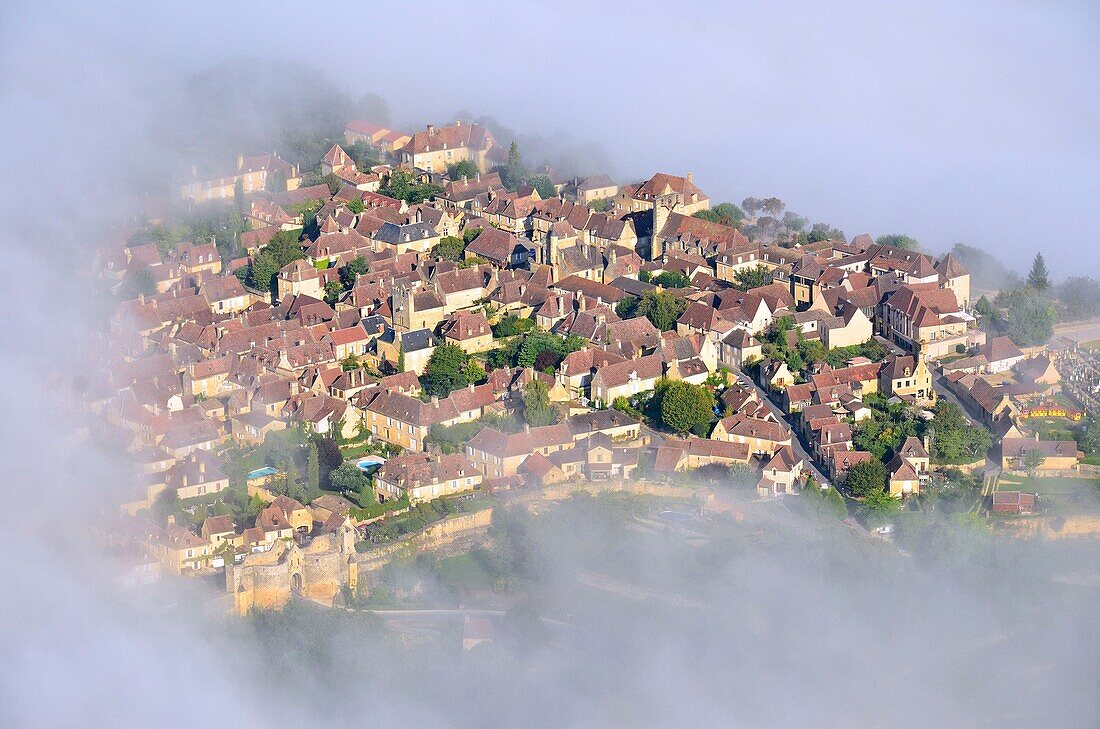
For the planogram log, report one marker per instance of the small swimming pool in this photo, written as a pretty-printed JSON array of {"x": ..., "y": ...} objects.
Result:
[
  {"x": 260, "y": 473},
  {"x": 369, "y": 464}
]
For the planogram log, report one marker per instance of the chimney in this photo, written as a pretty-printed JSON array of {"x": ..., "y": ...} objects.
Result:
[
  {"x": 526, "y": 428},
  {"x": 431, "y": 129},
  {"x": 202, "y": 466},
  {"x": 435, "y": 401},
  {"x": 471, "y": 386},
  {"x": 927, "y": 444},
  {"x": 171, "y": 520},
  {"x": 240, "y": 161},
  {"x": 689, "y": 177}
]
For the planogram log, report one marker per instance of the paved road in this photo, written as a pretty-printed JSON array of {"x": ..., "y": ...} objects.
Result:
[
  {"x": 1086, "y": 330},
  {"x": 798, "y": 444}
]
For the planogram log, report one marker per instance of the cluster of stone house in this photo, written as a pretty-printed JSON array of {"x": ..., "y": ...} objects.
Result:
[{"x": 204, "y": 361}]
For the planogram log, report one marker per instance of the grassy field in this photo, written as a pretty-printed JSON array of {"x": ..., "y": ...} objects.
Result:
[
  {"x": 464, "y": 573},
  {"x": 1049, "y": 486}
]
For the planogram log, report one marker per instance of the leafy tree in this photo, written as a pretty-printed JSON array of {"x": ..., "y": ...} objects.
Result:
[
  {"x": 1089, "y": 439},
  {"x": 543, "y": 185},
  {"x": 867, "y": 478},
  {"x": 355, "y": 268},
  {"x": 470, "y": 234},
  {"x": 793, "y": 222},
  {"x": 1030, "y": 318},
  {"x": 537, "y": 409},
  {"x": 450, "y": 248},
  {"x": 511, "y": 325},
  {"x": 823, "y": 231},
  {"x": 602, "y": 205},
  {"x": 662, "y": 308},
  {"x": 898, "y": 241},
  {"x": 1038, "y": 278},
  {"x": 1081, "y": 297},
  {"x": 877, "y": 505},
  {"x": 751, "y": 278},
  {"x": 446, "y": 371},
  {"x": 729, "y": 214},
  {"x": 954, "y": 441},
  {"x": 348, "y": 478},
  {"x": 751, "y": 206},
  {"x": 645, "y": 276},
  {"x": 533, "y": 344},
  {"x": 672, "y": 280},
  {"x": 138, "y": 281},
  {"x": 463, "y": 169},
  {"x": 1033, "y": 459},
  {"x": 334, "y": 183},
  {"x": 238, "y": 195},
  {"x": 685, "y": 406},
  {"x": 355, "y": 205},
  {"x": 333, "y": 291},
  {"x": 987, "y": 315},
  {"x": 773, "y": 206},
  {"x": 627, "y": 307},
  {"x": 547, "y": 361}
]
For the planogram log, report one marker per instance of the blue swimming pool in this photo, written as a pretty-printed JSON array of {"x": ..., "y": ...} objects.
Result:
[
  {"x": 260, "y": 473},
  {"x": 370, "y": 463}
]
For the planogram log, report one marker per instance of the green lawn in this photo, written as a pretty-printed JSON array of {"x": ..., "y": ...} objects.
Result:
[
  {"x": 1048, "y": 485},
  {"x": 464, "y": 573}
]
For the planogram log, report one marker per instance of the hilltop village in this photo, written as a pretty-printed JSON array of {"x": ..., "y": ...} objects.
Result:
[{"x": 420, "y": 321}]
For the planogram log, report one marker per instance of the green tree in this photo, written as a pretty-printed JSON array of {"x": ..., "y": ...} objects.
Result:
[
  {"x": 866, "y": 478},
  {"x": 627, "y": 307},
  {"x": 662, "y": 308},
  {"x": 751, "y": 278},
  {"x": 537, "y": 409},
  {"x": 751, "y": 206},
  {"x": 446, "y": 371},
  {"x": 987, "y": 314},
  {"x": 533, "y": 344},
  {"x": 1081, "y": 297},
  {"x": 333, "y": 291},
  {"x": 138, "y": 281},
  {"x": 1038, "y": 278},
  {"x": 543, "y": 185},
  {"x": 1033, "y": 459},
  {"x": 450, "y": 248},
  {"x": 672, "y": 280},
  {"x": 355, "y": 205},
  {"x": 334, "y": 183},
  {"x": 685, "y": 407},
  {"x": 898, "y": 241},
  {"x": 878, "y": 505},
  {"x": 1030, "y": 319},
  {"x": 348, "y": 478},
  {"x": 238, "y": 195},
  {"x": 313, "y": 472},
  {"x": 350, "y": 273},
  {"x": 463, "y": 169},
  {"x": 513, "y": 171}
]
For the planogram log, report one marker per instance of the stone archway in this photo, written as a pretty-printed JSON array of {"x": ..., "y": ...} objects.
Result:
[{"x": 296, "y": 582}]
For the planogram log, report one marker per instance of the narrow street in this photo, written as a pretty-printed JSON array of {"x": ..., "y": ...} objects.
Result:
[{"x": 798, "y": 444}]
